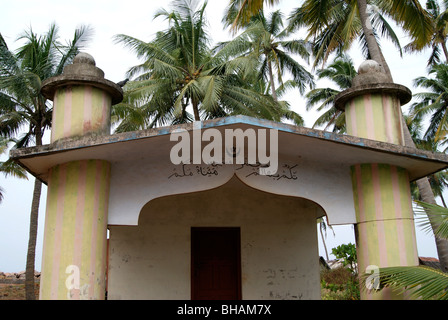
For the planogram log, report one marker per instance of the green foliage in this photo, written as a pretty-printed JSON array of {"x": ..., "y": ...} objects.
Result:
[
  {"x": 419, "y": 282},
  {"x": 334, "y": 25},
  {"x": 239, "y": 12},
  {"x": 339, "y": 284},
  {"x": 341, "y": 72},
  {"x": 22, "y": 106},
  {"x": 439, "y": 180},
  {"x": 438, "y": 224},
  {"x": 180, "y": 70},
  {"x": 9, "y": 167},
  {"x": 432, "y": 103},
  {"x": 439, "y": 19},
  {"x": 265, "y": 39},
  {"x": 346, "y": 253}
]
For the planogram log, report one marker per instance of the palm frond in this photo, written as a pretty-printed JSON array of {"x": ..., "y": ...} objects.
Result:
[
  {"x": 379, "y": 22},
  {"x": 82, "y": 36},
  {"x": 419, "y": 282},
  {"x": 439, "y": 218},
  {"x": 239, "y": 12},
  {"x": 10, "y": 168},
  {"x": 22, "y": 106},
  {"x": 412, "y": 17}
]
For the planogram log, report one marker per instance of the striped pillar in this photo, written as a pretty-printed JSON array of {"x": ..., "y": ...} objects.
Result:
[
  {"x": 385, "y": 233},
  {"x": 375, "y": 116},
  {"x": 384, "y": 229},
  {"x": 75, "y": 239},
  {"x": 74, "y": 253},
  {"x": 80, "y": 110}
]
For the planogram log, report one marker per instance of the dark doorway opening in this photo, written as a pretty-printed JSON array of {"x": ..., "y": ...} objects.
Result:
[{"x": 215, "y": 263}]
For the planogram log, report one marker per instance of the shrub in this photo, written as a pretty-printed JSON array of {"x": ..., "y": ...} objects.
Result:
[{"x": 339, "y": 284}]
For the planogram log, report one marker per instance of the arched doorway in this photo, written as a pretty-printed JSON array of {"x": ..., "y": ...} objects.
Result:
[{"x": 264, "y": 243}]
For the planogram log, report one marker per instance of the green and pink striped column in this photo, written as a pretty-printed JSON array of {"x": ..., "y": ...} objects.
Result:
[
  {"x": 74, "y": 260},
  {"x": 80, "y": 110},
  {"x": 75, "y": 241},
  {"x": 385, "y": 233},
  {"x": 384, "y": 229},
  {"x": 375, "y": 116}
]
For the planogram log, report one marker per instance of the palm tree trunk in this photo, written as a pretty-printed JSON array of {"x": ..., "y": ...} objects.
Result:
[
  {"x": 423, "y": 184},
  {"x": 427, "y": 195},
  {"x": 443, "y": 200},
  {"x": 374, "y": 49},
  {"x": 271, "y": 79},
  {"x": 195, "y": 110},
  {"x": 31, "y": 254},
  {"x": 441, "y": 244},
  {"x": 34, "y": 217},
  {"x": 445, "y": 51},
  {"x": 323, "y": 242}
]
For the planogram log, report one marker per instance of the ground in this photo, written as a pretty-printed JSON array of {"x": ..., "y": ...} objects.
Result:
[
  {"x": 14, "y": 291},
  {"x": 335, "y": 286}
]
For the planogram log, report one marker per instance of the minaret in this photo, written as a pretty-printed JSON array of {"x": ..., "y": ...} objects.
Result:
[
  {"x": 385, "y": 231},
  {"x": 75, "y": 240}
]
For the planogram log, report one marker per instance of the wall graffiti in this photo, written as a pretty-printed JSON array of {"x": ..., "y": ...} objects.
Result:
[
  {"x": 186, "y": 170},
  {"x": 286, "y": 171}
]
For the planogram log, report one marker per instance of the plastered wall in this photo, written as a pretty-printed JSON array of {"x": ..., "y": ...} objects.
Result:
[{"x": 279, "y": 253}]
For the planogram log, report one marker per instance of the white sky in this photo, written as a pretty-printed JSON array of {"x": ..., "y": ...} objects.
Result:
[{"x": 135, "y": 18}]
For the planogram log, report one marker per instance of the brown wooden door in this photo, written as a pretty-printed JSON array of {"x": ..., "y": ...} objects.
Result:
[{"x": 215, "y": 264}]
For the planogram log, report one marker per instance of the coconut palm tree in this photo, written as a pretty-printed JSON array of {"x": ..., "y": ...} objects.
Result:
[
  {"x": 409, "y": 15},
  {"x": 263, "y": 87},
  {"x": 439, "y": 18},
  {"x": 337, "y": 23},
  {"x": 438, "y": 180},
  {"x": 341, "y": 72},
  {"x": 23, "y": 107},
  {"x": 240, "y": 12},
  {"x": 180, "y": 71},
  {"x": 265, "y": 38},
  {"x": 433, "y": 102},
  {"x": 323, "y": 225},
  {"x": 338, "y": 27}
]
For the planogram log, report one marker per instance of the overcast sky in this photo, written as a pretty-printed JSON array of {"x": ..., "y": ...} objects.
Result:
[{"x": 135, "y": 18}]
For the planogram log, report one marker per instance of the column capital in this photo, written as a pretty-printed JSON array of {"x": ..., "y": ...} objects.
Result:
[
  {"x": 83, "y": 71},
  {"x": 372, "y": 79},
  {"x": 402, "y": 92}
]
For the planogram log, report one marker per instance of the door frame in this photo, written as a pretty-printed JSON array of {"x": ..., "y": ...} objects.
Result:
[{"x": 238, "y": 258}]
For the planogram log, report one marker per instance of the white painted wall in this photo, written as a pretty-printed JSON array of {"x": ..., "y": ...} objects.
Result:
[
  {"x": 135, "y": 181},
  {"x": 279, "y": 252}
]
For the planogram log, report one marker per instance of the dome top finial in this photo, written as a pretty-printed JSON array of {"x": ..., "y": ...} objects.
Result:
[
  {"x": 369, "y": 66},
  {"x": 83, "y": 57}
]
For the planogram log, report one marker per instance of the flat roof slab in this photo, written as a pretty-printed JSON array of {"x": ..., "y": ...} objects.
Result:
[{"x": 306, "y": 143}]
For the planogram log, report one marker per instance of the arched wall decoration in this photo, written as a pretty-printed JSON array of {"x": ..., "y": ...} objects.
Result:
[{"x": 135, "y": 183}]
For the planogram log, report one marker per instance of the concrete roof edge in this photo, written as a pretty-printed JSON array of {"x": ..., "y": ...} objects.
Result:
[{"x": 97, "y": 140}]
